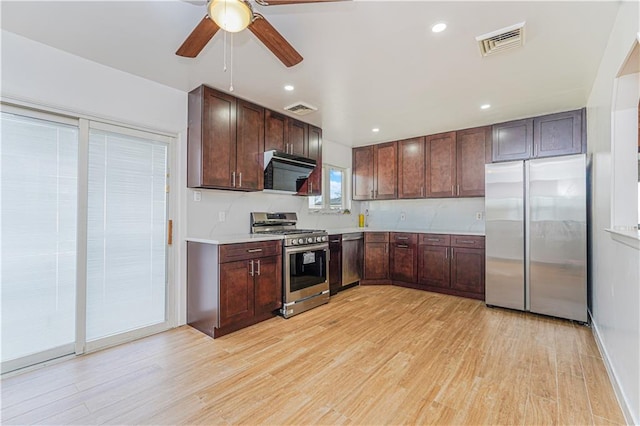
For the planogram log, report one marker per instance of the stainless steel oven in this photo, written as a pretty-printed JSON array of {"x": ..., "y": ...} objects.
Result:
[
  {"x": 304, "y": 261},
  {"x": 305, "y": 275}
]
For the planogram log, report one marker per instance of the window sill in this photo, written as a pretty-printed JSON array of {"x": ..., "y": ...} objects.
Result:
[{"x": 628, "y": 236}]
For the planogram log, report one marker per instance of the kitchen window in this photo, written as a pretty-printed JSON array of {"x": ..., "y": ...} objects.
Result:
[{"x": 334, "y": 190}]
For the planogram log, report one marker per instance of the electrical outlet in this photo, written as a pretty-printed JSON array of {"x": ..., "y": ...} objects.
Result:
[
  {"x": 478, "y": 215},
  {"x": 222, "y": 216},
  {"x": 197, "y": 195},
  {"x": 403, "y": 216}
]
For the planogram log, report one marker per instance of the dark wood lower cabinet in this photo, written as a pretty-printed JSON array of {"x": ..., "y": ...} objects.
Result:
[
  {"x": 403, "y": 260},
  {"x": 335, "y": 263},
  {"x": 467, "y": 270},
  {"x": 433, "y": 266},
  {"x": 376, "y": 258},
  {"x": 232, "y": 286}
]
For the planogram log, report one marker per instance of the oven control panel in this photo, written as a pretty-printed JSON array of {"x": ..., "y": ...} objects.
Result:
[{"x": 301, "y": 241}]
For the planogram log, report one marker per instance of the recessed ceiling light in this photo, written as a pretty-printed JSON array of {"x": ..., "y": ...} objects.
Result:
[
  {"x": 485, "y": 106},
  {"x": 288, "y": 88},
  {"x": 375, "y": 130},
  {"x": 439, "y": 27}
]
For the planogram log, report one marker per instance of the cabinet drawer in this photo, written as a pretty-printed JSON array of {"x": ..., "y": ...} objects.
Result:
[
  {"x": 470, "y": 241},
  {"x": 435, "y": 239},
  {"x": 404, "y": 238},
  {"x": 232, "y": 252},
  {"x": 376, "y": 237}
]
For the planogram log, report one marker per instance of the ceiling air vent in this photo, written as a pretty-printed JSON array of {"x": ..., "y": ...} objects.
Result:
[
  {"x": 300, "y": 108},
  {"x": 502, "y": 39}
]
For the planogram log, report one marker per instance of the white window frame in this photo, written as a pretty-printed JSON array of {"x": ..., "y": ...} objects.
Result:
[{"x": 346, "y": 199}]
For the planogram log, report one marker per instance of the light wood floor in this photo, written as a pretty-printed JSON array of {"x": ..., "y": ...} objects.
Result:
[{"x": 373, "y": 355}]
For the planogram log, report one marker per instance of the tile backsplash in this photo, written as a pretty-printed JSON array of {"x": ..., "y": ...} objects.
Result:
[
  {"x": 438, "y": 214},
  {"x": 221, "y": 213},
  {"x": 204, "y": 217}
]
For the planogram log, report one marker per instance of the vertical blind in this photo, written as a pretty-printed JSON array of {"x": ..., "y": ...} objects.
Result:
[
  {"x": 126, "y": 233},
  {"x": 38, "y": 204}
]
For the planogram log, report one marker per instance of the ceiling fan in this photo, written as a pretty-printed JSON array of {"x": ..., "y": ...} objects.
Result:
[{"x": 235, "y": 16}]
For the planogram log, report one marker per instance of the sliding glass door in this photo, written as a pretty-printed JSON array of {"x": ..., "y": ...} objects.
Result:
[
  {"x": 38, "y": 215},
  {"x": 83, "y": 235},
  {"x": 126, "y": 232}
]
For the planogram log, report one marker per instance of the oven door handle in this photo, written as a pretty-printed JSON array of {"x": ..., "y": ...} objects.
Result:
[{"x": 312, "y": 247}]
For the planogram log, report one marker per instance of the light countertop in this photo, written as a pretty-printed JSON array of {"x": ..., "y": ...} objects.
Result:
[
  {"x": 235, "y": 238},
  {"x": 417, "y": 231}
]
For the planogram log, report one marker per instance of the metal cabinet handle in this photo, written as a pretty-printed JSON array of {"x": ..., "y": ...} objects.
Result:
[
  {"x": 386, "y": 248},
  {"x": 452, "y": 253},
  {"x": 467, "y": 242},
  {"x": 240, "y": 180},
  {"x": 233, "y": 179},
  {"x": 446, "y": 252},
  {"x": 458, "y": 190},
  {"x": 402, "y": 246},
  {"x": 256, "y": 250},
  {"x": 433, "y": 239},
  {"x": 334, "y": 241},
  {"x": 310, "y": 187},
  {"x": 402, "y": 238},
  {"x": 252, "y": 271},
  {"x": 422, "y": 191},
  {"x": 258, "y": 262},
  {"x": 453, "y": 189}
]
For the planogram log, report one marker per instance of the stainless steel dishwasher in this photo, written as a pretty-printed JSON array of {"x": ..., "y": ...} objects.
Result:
[{"x": 352, "y": 257}]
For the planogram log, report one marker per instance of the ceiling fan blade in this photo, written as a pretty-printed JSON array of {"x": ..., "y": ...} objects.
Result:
[
  {"x": 279, "y": 2},
  {"x": 274, "y": 41},
  {"x": 198, "y": 38}
]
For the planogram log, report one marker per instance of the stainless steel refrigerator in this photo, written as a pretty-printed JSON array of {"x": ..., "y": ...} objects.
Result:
[{"x": 536, "y": 236}]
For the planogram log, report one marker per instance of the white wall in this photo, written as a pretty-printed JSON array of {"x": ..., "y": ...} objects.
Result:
[{"x": 615, "y": 266}]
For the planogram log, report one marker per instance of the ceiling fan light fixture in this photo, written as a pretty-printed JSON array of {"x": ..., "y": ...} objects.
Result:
[{"x": 230, "y": 15}]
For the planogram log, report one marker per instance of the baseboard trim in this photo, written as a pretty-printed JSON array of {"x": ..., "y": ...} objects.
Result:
[{"x": 612, "y": 377}]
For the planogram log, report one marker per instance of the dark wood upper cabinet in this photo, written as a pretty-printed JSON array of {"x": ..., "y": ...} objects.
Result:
[
  {"x": 276, "y": 131},
  {"x": 473, "y": 150},
  {"x": 441, "y": 165},
  {"x": 411, "y": 168},
  {"x": 549, "y": 135},
  {"x": 513, "y": 140},
  {"x": 225, "y": 141},
  {"x": 211, "y": 141},
  {"x": 298, "y": 137},
  {"x": 385, "y": 163},
  {"x": 362, "y": 171},
  {"x": 315, "y": 143},
  {"x": 313, "y": 185},
  {"x": 557, "y": 134},
  {"x": 249, "y": 146}
]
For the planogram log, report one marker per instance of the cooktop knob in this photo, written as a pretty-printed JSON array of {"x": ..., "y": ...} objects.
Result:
[
  {"x": 293, "y": 241},
  {"x": 301, "y": 241}
]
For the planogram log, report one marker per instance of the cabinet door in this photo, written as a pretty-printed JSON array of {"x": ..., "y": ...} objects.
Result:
[
  {"x": 218, "y": 139},
  {"x": 362, "y": 173},
  {"x": 236, "y": 292},
  {"x": 512, "y": 140},
  {"x": 376, "y": 261},
  {"x": 249, "y": 146},
  {"x": 471, "y": 149},
  {"x": 411, "y": 168},
  {"x": 298, "y": 137},
  {"x": 433, "y": 266},
  {"x": 385, "y": 171},
  {"x": 335, "y": 263},
  {"x": 268, "y": 284},
  {"x": 441, "y": 164},
  {"x": 403, "y": 263},
  {"x": 557, "y": 134},
  {"x": 314, "y": 183},
  {"x": 276, "y": 131},
  {"x": 315, "y": 143},
  {"x": 467, "y": 270}
]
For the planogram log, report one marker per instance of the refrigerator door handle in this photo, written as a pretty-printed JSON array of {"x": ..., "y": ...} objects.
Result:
[{"x": 527, "y": 238}]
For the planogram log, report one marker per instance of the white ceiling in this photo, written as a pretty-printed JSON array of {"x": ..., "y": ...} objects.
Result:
[{"x": 366, "y": 63}]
